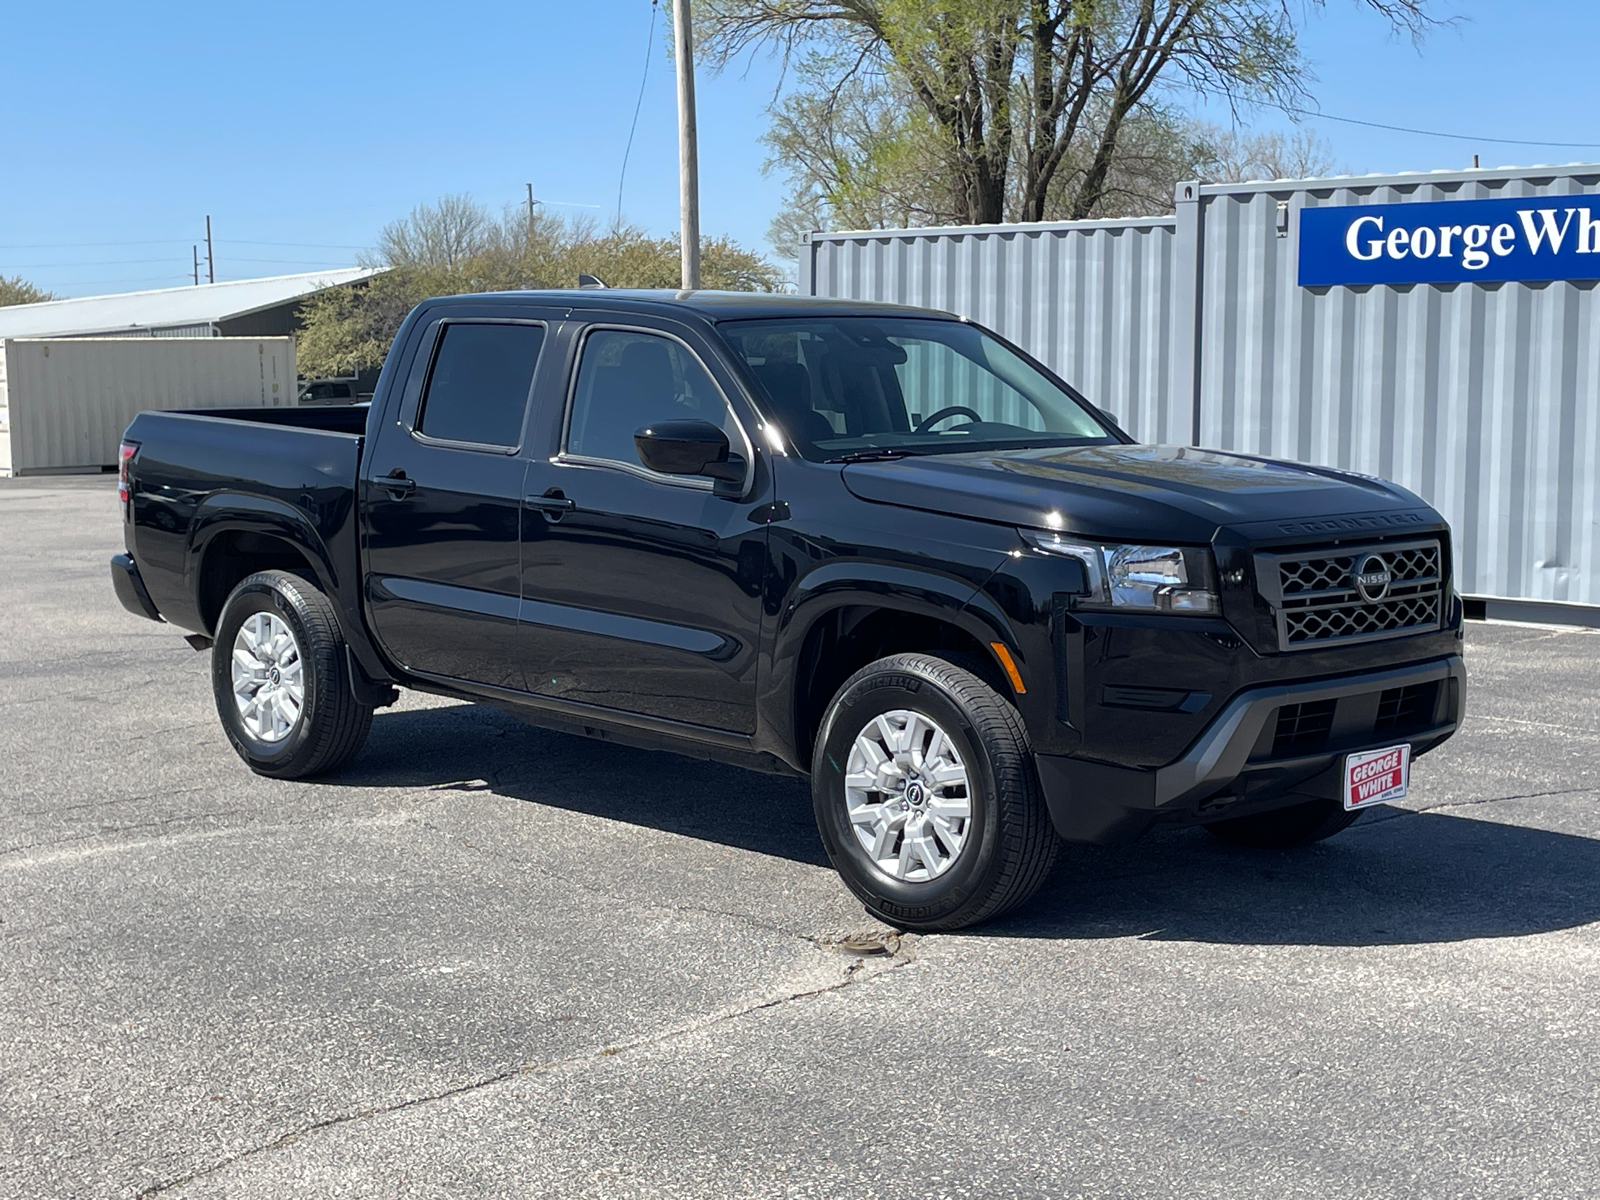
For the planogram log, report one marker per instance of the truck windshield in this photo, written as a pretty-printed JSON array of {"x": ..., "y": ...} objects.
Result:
[{"x": 867, "y": 387}]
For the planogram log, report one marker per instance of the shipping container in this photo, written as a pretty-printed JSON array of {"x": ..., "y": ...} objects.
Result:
[
  {"x": 1388, "y": 349},
  {"x": 65, "y": 402}
]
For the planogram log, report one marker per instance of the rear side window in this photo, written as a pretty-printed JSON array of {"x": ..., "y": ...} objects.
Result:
[{"x": 478, "y": 390}]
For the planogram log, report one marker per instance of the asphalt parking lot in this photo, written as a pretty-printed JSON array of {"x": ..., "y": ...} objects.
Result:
[{"x": 487, "y": 960}]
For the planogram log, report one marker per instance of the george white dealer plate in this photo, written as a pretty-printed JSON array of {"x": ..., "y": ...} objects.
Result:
[{"x": 1376, "y": 776}]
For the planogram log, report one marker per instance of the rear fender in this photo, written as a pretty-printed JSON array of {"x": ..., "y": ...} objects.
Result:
[{"x": 226, "y": 512}]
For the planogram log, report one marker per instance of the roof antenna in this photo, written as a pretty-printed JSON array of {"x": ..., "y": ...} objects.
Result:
[{"x": 589, "y": 282}]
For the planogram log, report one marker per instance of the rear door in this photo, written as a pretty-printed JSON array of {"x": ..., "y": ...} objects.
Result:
[
  {"x": 443, "y": 487},
  {"x": 642, "y": 592}
]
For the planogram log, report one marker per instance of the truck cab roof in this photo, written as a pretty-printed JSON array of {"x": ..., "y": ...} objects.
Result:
[{"x": 707, "y": 305}]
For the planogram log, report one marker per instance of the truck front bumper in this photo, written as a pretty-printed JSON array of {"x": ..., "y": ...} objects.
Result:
[
  {"x": 130, "y": 589},
  {"x": 1243, "y": 762}
]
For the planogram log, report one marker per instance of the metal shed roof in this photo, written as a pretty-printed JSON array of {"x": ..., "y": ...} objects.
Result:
[{"x": 168, "y": 307}]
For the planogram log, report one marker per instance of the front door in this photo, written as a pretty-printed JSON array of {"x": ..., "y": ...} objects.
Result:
[
  {"x": 641, "y": 592},
  {"x": 443, "y": 497}
]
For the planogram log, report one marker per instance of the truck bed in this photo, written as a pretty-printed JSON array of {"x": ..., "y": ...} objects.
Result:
[
  {"x": 294, "y": 472},
  {"x": 347, "y": 418}
]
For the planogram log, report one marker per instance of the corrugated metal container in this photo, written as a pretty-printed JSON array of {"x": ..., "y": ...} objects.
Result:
[
  {"x": 68, "y": 400},
  {"x": 1482, "y": 397},
  {"x": 1089, "y": 299}
]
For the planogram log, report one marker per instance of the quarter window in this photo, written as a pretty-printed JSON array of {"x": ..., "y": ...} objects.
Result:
[
  {"x": 478, "y": 390},
  {"x": 628, "y": 380}
]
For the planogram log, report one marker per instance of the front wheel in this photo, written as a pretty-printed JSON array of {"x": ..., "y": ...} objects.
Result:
[
  {"x": 926, "y": 795},
  {"x": 280, "y": 676},
  {"x": 1281, "y": 828}
]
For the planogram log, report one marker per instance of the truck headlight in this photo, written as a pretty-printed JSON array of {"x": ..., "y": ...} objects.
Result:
[{"x": 1176, "y": 579}]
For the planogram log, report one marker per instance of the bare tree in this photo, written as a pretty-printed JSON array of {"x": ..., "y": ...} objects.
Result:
[
  {"x": 1235, "y": 155},
  {"x": 457, "y": 246},
  {"x": 1018, "y": 90},
  {"x": 445, "y": 234}
]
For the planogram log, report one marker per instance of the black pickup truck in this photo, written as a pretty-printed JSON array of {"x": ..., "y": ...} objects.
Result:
[{"x": 874, "y": 545}]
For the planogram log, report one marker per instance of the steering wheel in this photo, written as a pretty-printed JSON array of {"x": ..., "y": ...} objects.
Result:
[{"x": 954, "y": 410}]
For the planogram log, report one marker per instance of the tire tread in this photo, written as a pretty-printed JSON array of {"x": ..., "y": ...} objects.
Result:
[
  {"x": 342, "y": 723},
  {"x": 1028, "y": 841}
]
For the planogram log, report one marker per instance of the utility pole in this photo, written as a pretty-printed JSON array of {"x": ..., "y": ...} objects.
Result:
[
  {"x": 530, "y": 214},
  {"x": 211, "y": 262},
  {"x": 196, "y": 250},
  {"x": 688, "y": 154}
]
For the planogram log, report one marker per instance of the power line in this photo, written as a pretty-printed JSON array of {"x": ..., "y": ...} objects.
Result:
[
  {"x": 649, "y": 46},
  {"x": 81, "y": 245},
  {"x": 1459, "y": 137},
  {"x": 294, "y": 262},
  {"x": 105, "y": 262},
  {"x": 178, "y": 242},
  {"x": 289, "y": 245}
]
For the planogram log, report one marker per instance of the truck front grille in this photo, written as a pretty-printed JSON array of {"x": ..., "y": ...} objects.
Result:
[
  {"x": 1303, "y": 728},
  {"x": 1404, "y": 709},
  {"x": 1322, "y": 597},
  {"x": 1321, "y": 726}
]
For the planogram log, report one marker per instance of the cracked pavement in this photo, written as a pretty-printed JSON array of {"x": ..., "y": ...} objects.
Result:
[{"x": 486, "y": 960}]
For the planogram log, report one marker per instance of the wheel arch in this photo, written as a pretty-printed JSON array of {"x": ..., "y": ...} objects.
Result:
[
  {"x": 235, "y": 535},
  {"x": 838, "y": 624}
]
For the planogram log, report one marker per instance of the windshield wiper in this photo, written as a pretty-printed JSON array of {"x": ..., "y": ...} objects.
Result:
[{"x": 882, "y": 454}]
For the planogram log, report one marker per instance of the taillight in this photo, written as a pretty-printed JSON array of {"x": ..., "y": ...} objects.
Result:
[{"x": 125, "y": 454}]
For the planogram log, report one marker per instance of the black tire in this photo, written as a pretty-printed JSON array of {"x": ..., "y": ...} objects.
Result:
[
  {"x": 1010, "y": 844},
  {"x": 1281, "y": 828},
  {"x": 331, "y": 725}
]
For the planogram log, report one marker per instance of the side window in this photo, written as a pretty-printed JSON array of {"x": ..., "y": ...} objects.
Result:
[
  {"x": 626, "y": 380},
  {"x": 478, "y": 390}
]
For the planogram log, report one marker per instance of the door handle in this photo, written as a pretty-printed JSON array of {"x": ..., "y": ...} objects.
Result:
[
  {"x": 398, "y": 485},
  {"x": 553, "y": 506}
]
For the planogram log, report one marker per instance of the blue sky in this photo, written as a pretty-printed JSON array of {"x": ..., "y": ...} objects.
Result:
[{"x": 302, "y": 128}]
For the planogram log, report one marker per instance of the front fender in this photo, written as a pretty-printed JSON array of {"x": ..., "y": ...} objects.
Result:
[
  {"x": 957, "y": 600},
  {"x": 952, "y": 598}
]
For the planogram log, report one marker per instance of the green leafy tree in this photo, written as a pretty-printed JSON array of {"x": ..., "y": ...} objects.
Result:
[
  {"x": 979, "y": 111},
  {"x": 15, "y": 289},
  {"x": 458, "y": 246}
]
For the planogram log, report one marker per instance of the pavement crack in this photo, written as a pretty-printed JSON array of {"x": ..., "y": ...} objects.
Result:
[
  {"x": 862, "y": 970},
  {"x": 1398, "y": 813}
]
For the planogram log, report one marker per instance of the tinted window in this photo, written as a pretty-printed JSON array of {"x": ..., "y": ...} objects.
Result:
[
  {"x": 626, "y": 380},
  {"x": 479, "y": 386},
  {"x": 851, "y": 384}
]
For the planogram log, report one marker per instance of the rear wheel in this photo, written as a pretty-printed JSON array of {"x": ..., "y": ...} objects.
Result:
[
  {"x": 926, "y": 795},
  {"x": 280, "y": 677},
  {"x": 1296, "y": 825}
]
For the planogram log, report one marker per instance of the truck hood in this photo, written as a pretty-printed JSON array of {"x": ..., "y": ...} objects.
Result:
[{"x": 1125, "y": 493}]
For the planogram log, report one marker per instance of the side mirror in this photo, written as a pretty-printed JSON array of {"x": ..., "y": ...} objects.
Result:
[
  {"x": 688, "y": 448},
  {"x": 1112, "y": 417}
]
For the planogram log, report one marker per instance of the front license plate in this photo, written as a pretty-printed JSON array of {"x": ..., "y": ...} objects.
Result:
[{"x": 1376, "y": 776}]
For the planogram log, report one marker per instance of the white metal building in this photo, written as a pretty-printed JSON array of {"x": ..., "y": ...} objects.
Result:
[
  {"x": 74, "y": 373},
  {"x": 247, "y": 308}
]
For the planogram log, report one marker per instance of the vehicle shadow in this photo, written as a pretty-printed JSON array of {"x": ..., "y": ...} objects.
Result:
[
  {"x": 451, "y": 747},
  {"x": 1394, "y": 878}
]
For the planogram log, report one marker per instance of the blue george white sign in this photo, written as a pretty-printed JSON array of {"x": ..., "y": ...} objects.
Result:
[{"x": 1451, "y": 241}]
